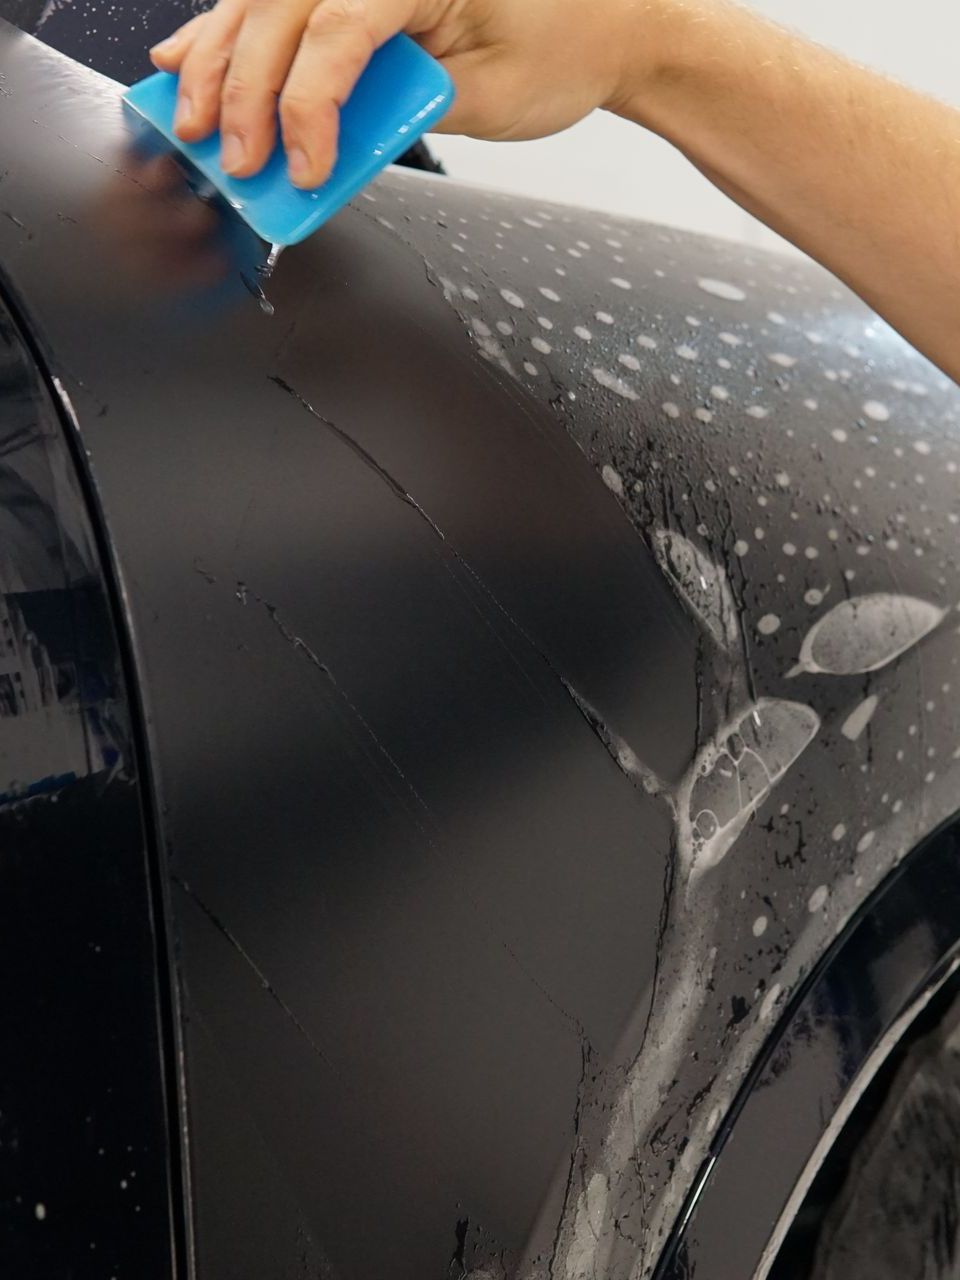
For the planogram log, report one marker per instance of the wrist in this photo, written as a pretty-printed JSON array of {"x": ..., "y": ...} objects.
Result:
[{"x": 665, "y": 47}]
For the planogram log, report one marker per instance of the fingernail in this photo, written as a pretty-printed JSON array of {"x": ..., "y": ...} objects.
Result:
[
  {"x": 183, "y": 113},
  {"x": 165, "y": 45},
  {"x": 231, "y": 152},
  {"x": 298, "y": 164}
]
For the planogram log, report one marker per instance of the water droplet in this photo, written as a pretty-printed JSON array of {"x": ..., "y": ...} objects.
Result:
[
  {"x": 721, "y": 289},
  {"x": 770, "y": 1002},
  {"x": 865, "y": 634},
  {"x": 614, "y": 384},
  {"x": 703, "y": 585},
  {"x": 858, "y": 719},
  {"x": 876, "y": 411},
  {"x": 612, "y": 480},
  {"x": 735, "y": 773},
  {"x": 818, "y": 899}
]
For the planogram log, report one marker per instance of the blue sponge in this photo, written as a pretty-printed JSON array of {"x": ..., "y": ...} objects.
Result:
[{"x": 400, "y": 96}]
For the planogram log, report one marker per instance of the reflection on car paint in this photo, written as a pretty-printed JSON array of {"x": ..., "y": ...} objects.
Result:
[
  {"x": 63, "y": 728},
  {"x": 891, "y": 979},
  {"x": 83, "y": 1156}
]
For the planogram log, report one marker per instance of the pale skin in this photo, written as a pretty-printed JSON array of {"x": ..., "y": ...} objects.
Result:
[{"x": 858, "y": 171}]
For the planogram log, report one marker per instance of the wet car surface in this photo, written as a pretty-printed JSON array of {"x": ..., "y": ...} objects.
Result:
[{"x": 533, "y": 637}]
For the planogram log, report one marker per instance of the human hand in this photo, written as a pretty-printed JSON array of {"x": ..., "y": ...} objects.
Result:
[{"x": 522, "y": 68}]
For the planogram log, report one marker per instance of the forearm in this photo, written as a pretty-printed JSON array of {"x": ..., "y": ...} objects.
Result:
[{"x": 861, "y": 173}]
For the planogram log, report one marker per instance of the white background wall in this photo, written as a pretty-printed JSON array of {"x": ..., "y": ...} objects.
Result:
[{"x": 606, "y": 163}]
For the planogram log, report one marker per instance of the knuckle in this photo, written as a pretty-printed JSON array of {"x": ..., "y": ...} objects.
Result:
[
  {"x": 190, "y": 32},
  {"x": 235, "y": 92},
  {"x": 211, "y": 40},
  {"x": 297, "y": 111},
  {"x": 348, "y": 63},
  {"x": 337, "y": 15},
  {"x": 202, "y": 71}
]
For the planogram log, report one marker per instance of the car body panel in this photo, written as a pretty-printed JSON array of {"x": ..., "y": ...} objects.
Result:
[
  {"x": 897, "y": 959},
  {"x": 546, "y": 628},
  {"x": 86, "y": 1181}
]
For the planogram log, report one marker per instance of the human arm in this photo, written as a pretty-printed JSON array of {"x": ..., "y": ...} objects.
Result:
[{"x": 860, "y": 172}]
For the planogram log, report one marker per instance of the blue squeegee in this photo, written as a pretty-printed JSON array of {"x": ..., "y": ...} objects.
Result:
[{"x": 400, "y": 96}]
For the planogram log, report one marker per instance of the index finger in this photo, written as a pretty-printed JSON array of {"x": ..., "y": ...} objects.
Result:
[{"x": 339, "y": 40}]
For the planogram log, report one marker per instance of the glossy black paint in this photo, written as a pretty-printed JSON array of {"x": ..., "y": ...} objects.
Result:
[
  {"x": 905, "y": 941},
  {"x": 795, "y": 466},
  {"x": 469, "y": 559},
  {"x": 374, "y": 777},
  {"x": 84, "y": 1178},
  {"x": 886, "y": 1200}
]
